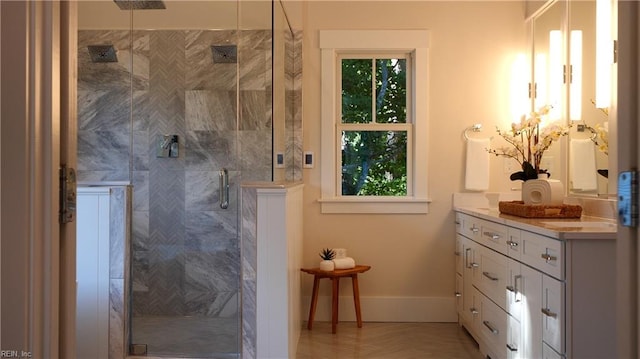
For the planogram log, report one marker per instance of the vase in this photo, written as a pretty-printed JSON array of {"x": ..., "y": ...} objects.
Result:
[
  {"x": 327, "y": 265},
  {"x": 543, "y": 192}
]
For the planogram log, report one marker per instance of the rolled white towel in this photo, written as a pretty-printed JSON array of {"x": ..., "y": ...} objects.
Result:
[
  {"x": 344, "y": 263},
  {"x": 340, "y": 252}
]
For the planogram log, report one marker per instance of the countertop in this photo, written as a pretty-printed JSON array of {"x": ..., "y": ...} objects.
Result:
[{"x": 585, "y": 227}]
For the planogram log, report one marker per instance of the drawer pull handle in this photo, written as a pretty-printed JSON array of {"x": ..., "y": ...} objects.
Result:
[
  {"x": 512, "y": 348},
  {"x": 457, "y": 253},
  {"x": 474, "y": 265},
  {"x": 512, "y": 243},
  {"x": 458, "y": 294},
  {"x": 548, "y": 312},
  {"x": 518, "y": 298},
  {"x": 458, "y": 223},
  {"x": 514, "y": 290},
  {"x": 488, "y": 275},
  {"x": 474, "y": 229},
  {"x": 488, "y": 325},
  {"x": 548, "y": 257},
  {"x": 494, "y": 236},
  {"x": 473, "y": 311}
]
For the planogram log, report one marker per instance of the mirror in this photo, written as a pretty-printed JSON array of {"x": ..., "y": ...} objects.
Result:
[
  {"x": 565, "y": 63},
  {"x": 547, "y": 77},
  {"x": 590, "y": 119}
]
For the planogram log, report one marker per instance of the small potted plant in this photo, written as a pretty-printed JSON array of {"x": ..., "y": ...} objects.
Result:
[{"x": 327, "y": 256}]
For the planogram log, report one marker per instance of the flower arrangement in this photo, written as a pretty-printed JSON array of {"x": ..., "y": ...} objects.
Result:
[
  {"x": 601, "y": 138},
  {"x": 528, "y": 143}
]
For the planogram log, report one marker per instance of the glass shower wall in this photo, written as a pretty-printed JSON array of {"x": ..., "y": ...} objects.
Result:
[
  {"x": 180, "y": 74},
  {"x": 287, "y": 102}
]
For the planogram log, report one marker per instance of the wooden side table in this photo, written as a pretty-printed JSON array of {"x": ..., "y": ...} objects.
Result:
[{"x": 335, "y": 281}]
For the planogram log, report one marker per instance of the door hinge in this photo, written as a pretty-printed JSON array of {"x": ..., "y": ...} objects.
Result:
[
  {"x": 628, "y": 198},
  {"x": 67, "y": 207}
]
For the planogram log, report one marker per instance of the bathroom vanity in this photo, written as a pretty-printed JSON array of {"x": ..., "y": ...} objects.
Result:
[{"x": 536, "y": 288}]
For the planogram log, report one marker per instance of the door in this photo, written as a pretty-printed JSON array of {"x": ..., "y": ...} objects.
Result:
[
  {"x": 38, "y": 291},
  {"x": 626, "y": 109}
]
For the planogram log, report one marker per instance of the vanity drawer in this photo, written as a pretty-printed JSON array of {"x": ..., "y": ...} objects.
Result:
[
  {"x": 494, "y": 323},
  {"x": 514, "y": 289},
  {"x": 471, "y": 302},
  {"x": 548, "y": 353},
  {"x": 459, "y": 253},
  {"x": 459, "y": 294},
  {"x": 514, "y": 345},
  {"x": 543, "y": 253},
  {"x": 553, "y": 313},
  {"x": 470, "y": 227},
  {"x": 513, "y": 242},
  {"x": 492, "y": 277},
  {"x": 494, "y": 236},
  {"x": 459, "y": 222}
]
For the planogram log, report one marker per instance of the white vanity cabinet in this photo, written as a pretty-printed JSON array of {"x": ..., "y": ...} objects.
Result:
[{"x": 525, "y": 291}]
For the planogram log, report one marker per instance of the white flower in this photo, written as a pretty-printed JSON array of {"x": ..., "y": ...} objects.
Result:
[
  {"x": 528, "y": 141},
  {"x": 602, "y": 138}
]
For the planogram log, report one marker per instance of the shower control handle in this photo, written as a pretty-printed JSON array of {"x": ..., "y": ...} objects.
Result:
[{"x": 223, "y": 175}]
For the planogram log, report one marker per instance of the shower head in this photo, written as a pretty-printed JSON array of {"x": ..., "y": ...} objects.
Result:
[
  {"x": 140, "y": 4},
  {"x": 102, "y": 53},
  {"x": 224, "y": 54}
]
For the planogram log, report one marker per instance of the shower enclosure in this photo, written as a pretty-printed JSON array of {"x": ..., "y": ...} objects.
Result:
[{"x": 178, "y": 100}]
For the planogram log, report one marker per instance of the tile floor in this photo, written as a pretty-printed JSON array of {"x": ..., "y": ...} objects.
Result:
[{"x": 387, "y": 341}]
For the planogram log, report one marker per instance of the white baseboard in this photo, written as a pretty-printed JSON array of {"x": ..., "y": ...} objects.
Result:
[{"x": 386, "y": 309}]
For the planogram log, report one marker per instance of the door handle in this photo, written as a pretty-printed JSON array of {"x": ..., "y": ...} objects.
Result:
[{"x": 223, "y": 175}]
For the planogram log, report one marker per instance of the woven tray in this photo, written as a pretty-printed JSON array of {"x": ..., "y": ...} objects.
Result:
[{"x": 518, "y": 208}]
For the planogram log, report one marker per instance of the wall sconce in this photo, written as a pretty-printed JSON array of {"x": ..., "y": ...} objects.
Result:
[
  {"x": 575, "y": 76},
  {"x": 604, "y": 53},
  {"x": 540, "y": 80},
  {"x": 556, "y": 77},
  {"x": 519, "y": 101}
]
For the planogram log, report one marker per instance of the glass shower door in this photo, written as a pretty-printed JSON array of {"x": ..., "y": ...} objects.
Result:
[{"x": 185, "y": 245}]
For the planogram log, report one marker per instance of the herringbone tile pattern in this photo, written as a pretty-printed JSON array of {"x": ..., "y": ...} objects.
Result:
[{"x": 387, "y": 341}]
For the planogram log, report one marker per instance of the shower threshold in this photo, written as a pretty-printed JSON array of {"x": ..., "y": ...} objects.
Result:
[{"x": 187, "y": 336}]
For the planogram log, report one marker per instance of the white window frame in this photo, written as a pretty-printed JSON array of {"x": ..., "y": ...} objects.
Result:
[{"x": 413, "y": 42}]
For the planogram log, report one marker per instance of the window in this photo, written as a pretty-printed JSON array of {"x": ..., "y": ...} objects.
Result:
[
  {"x": 374, "y": 121},
  {"x": 373, "y": 125}
]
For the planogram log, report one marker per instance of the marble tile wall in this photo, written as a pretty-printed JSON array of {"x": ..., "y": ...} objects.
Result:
[
  {"x": 249, "y": 266},
  {"x": 120, "y": 207},
  {"x": 185, "y": 249}
]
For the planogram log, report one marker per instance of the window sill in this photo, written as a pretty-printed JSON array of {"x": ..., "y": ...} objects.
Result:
[{"x": 382, "y": 205}]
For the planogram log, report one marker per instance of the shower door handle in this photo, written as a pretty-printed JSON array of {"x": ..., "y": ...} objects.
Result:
[{"x": 223, "y": 175}]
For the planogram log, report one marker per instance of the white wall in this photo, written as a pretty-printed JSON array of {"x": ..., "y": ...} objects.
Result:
[{"x": 473, "y": 44}]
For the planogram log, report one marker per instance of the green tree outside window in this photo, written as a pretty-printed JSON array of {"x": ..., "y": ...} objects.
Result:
[{"x": 374, "y": 161}]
